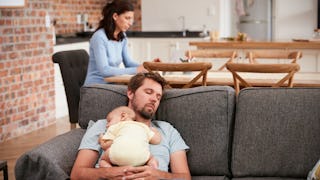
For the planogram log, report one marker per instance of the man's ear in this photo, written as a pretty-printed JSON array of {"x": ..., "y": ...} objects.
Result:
[{"x": 130, "y": 94}]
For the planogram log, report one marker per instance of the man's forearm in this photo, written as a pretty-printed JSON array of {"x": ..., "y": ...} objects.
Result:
[
  {"x": 98, "y": 173},
  {"x": 182, "y": 176},
  {"x": 152, "y": 173},
  {"x": 86, "y": 174}
]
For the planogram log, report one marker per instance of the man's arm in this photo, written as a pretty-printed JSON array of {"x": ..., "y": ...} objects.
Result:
[
  {"x": 178, "y": 164},
  {"x": 84, "y": 168}
]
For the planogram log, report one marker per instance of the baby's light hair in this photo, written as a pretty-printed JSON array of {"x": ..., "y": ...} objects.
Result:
[{"x": 127, "y": 110}]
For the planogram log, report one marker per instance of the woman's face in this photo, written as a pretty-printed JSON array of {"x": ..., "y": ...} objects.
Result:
[{"x": 123, "y": 21}]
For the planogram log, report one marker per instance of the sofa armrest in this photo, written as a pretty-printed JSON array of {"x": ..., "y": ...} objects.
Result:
[{"x": 51, "y": 160}]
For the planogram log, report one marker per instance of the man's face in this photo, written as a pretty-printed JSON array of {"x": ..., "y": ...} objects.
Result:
[{"x": 146, "y": 99}]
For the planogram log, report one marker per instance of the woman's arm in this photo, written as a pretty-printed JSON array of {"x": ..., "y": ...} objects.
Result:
[{"x": 127, "y": 59}]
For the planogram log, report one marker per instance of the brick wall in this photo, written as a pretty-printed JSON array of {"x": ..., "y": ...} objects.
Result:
[
  {"x": 26, "y": 71},
  {"x": 137, "y": 24},
  {"x": 27, "y": 97},
  {"x": 65, "y": 14}
]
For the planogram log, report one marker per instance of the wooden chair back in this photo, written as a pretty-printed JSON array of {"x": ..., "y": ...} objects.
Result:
[
  {"x": 211, "y": 55},
  {"x": 289, "y": 69},
  {"x": 202, "y": 67},
  {"x": 253, "y": 56}
]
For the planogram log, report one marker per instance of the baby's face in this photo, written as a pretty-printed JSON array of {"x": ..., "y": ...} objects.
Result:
[{"x": 113, "y": 119}]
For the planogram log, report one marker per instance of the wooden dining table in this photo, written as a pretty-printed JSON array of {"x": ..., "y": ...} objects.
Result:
[{"x": 225, "y": 78}]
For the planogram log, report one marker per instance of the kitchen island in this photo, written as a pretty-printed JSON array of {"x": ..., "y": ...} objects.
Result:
[
  {"x": 285, "y": 45},
  {"x": 310, "y": 61}
]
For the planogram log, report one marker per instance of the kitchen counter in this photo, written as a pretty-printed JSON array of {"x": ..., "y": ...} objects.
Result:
[
  {"x": 165, "y": 34},
  {"x": 85, "y": 36},
  {"x": 71, "y": 39},
  {"x": 257, "y": 44}
]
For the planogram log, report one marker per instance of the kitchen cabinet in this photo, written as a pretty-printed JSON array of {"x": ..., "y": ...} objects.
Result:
[{"x": 167, "y": 49}]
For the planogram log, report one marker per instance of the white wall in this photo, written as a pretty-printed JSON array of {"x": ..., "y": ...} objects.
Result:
[
  {"x": 163, "y": 15},
  {"x": 227, "y": 22},
  {"x": 292, "y": 18}
]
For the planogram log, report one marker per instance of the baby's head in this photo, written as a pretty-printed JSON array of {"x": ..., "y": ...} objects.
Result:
[{"x": 122, "y": 113}]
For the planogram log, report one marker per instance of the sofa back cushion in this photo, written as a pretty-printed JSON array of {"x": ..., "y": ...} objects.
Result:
[
  {"x": 203, "y": 116},
  {"x": 96, "y": 101},
  {"x": 276, "y": 132}
]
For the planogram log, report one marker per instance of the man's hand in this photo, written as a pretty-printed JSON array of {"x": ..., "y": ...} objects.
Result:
[
  {"x": 115, "y": 173},
  {"x": 143, "y": 172}
]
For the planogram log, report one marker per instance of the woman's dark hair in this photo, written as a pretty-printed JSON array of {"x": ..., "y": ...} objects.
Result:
[
  {"x": 107, "y": 22},
  {"x": 137, "y": 80}
]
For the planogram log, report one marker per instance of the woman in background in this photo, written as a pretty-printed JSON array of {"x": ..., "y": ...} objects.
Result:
[{"x": 108, "y": 45}]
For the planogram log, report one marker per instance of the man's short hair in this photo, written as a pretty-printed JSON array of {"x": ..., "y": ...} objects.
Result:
[{"x": 137, "y": 80}]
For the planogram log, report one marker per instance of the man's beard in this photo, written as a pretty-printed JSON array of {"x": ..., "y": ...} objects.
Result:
[{"x": 143, "y": 112}]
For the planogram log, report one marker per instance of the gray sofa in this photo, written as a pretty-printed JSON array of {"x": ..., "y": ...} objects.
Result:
[{"x": 264, "y": 133}]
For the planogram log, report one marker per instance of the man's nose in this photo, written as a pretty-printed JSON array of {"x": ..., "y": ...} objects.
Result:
[{"x": 154, "y": 98}]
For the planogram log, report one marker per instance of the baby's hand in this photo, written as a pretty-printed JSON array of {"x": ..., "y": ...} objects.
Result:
[
  {"x": 100, "y": 139},
  {"x": 155, "y": 130}
]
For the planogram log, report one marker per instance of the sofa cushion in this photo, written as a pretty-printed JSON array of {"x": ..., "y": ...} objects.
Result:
[
  {"x": 276, "y": 132},
  {"x": 96, "y": 101},
  {"x": 268, "y": 178},
  {"x": 203, "y": 116},
  {"x": 210, "y": 178}
]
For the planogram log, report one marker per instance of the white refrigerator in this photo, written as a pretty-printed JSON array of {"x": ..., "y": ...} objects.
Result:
[{"x": 255, "y": 19}]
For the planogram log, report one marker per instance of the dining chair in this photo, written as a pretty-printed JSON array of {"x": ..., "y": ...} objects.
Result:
[
  {"x": 73, "y": 66},
  {"x": 210, "y": 55},
  {"x": 202, "y": 67},
  {"x": 4, "y": 168},
  {"x": 260, "y": 56},
  {"x": 266, "y": 61},
  {"x": 236, "y": 68}
]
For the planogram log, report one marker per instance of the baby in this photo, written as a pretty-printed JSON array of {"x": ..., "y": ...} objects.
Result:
[{"x": 126, "y": 142}]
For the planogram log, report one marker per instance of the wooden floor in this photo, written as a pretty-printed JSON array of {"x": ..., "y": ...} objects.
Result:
[{"x": 12, "y": 149}]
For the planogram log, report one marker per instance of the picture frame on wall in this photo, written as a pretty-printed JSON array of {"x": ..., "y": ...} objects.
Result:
[{"x": 12, "y": 3}]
